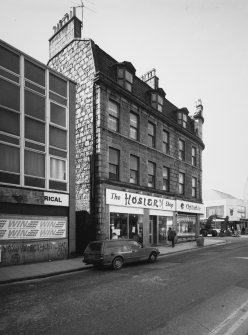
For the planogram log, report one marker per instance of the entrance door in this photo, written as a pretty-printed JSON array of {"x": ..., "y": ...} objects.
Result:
[{"x": 153, "y": 229}]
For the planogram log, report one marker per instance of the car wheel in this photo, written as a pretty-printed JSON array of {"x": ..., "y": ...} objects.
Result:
[
  {"x": 117, "y": 263},
  {"x": 153, "y": 257}
]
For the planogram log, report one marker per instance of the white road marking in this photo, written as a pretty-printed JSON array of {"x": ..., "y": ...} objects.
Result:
[{"x": 224, "y": 323}]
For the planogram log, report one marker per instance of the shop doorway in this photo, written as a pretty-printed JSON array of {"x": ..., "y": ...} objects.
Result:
[{"x": 158, "y": 227}]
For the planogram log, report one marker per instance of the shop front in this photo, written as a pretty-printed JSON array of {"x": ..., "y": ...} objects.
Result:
[
  {"x": 138, "y": 216},
  {"x": 34, "y": 226},
  {"x": 188, "y": 218}
]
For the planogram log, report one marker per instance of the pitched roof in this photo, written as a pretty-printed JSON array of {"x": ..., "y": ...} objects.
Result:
[{"x": 215, "y": 195}]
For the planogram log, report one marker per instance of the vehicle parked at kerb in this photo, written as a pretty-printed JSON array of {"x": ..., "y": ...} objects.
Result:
[{"x": 115, "y": 253}]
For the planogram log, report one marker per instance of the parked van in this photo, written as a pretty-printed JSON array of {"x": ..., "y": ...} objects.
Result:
[{"x": 115, "y": 253}]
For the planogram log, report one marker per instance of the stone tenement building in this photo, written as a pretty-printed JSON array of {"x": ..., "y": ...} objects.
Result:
[{"x": 138, "y": 156}]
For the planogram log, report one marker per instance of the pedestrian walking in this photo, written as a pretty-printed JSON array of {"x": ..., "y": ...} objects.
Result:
[{"x": 171, "y": 236}]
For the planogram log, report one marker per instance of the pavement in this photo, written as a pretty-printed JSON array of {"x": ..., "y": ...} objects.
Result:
[{"x": 17, "y": 273}]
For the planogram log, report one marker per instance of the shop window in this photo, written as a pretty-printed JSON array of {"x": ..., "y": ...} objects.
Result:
[
  {"x": 9, "y": 60},
  {"x": 157, "y": 101},
  {"x": 181, "y": 150},
  {"x": 57, "y": 114},
  {"x": 166, "y": 179},
  {"x": 151, "y": 174},
  {"x": 9, "y": 95},
  {"x": 194, "y": 156},
  {"x": 134, "y": 169},
  {"x": 194, "y": 187},
  {"x": 114, "y": 163},
  {"x": 166, "y": 142},
  {"x": 57, "y": 169},
  {"x": 113, "y": 116},
  {"x": 134, "y": 126},
  {"x": 127, "y": 226},
  {"x": 186, "y": 224},
  {"x": 125, "y": 78},
  {"x": 181, "y": 183},
  {"x": 151, "y": 135},
  {"x": 182, "y": 119},
  {"x": 34, "y": 105}
]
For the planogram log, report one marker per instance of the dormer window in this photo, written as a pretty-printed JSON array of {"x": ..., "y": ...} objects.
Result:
[
  {"x": 125, "y": 79},
  {"x": 157, "y": 101},
  {"x": 182, "y": 119}
]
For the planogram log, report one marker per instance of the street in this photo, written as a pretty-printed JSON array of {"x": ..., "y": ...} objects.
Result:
[{"x": 204, "y": 291}]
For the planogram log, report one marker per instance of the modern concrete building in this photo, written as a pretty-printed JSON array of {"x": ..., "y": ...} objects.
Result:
[
  {"x": 223, "y": 205},
  {"x": 37, "y": 160},
  {"x": 138, "y": 156}
]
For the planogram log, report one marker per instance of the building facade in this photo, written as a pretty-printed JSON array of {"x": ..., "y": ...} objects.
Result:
[
  {"x": 138, "y": 156},
  {"x": 37, "y": 160},
  {"x": 225, "y": 205}
]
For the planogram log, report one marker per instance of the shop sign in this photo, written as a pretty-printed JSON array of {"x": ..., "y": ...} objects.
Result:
[
  {"x": 189, "y": 207},
  {"x": 127, "y": 199},
  {"x": 15, "y": 229},
  {"x": 56, "y": 199}
]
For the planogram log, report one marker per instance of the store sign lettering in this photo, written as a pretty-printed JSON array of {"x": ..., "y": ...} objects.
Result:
[
  {"x": 128, "y": 199},
  {"x": 189, "y": 207},
  {"x": 55, "y": 199}
]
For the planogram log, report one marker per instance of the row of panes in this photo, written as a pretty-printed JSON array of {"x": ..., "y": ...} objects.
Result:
[{"x": 30, "y": 129}]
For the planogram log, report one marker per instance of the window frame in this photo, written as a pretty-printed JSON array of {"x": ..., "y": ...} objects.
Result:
[
  {"x": 166, "y": 179},
  {"x": 194, "y": 157},
  {"x": 125, "y": 78},
  {"x": 166, "y": 144},
  {"x": 151, "y": 176},
  {"x": 194, "y": 187},
  {"x": 181, "y": 183},
  {"x": 181, "y": 149},
  {"x": 133, "y": 128},
  {"x": 182, "y": 119},
  {"x": 116, "y": 166},
  {"x": 151, "y": 136},
  {"x": 112, "y": 116},
  {"x": 135, "y": 171},
  {"x": 157, "y": 101}
]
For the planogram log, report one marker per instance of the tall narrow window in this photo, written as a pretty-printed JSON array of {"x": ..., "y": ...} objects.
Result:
[
  {"x": 166, "y": 179},
  {"x": 181, "y": 183},
  {"x": 166, "y": 142},
  {"x": 114, "y": 163},
  {"x": 113, "y": 116},
  {"x": 134, "y": 124},
  {"x": 181, "y": 150},
  {"x": 151, "y": 174},
  {"x": 134, "y": 169},
  {"x": 194, "y": 187},
  {"x": 151, "y": 135},
  {"x": 194, "y": 156}
]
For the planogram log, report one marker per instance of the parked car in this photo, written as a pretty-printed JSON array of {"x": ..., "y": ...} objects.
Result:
[{"x": 115, "y": 253}]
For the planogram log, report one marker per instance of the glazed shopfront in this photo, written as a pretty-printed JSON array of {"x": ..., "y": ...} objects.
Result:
[{"x": 148, "y": 218}]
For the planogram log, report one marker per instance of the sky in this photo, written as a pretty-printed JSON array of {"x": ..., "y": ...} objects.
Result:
[{"x": 199, "y": 50}]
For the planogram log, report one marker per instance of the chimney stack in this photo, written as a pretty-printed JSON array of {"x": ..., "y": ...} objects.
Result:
[
  {"x": 151, "y": 79},
  {"x": 67, "y": 29}
]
